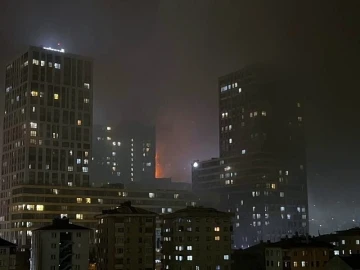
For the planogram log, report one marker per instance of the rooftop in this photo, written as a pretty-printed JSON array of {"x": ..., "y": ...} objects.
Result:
[
  {"x": 4, "y": 243},
  {"x": 61, "y": 224},
  {"x": 300, "y": 242},
  {"x": 127, "y": 209},
  {"x": 353, "y": 261},
  {"x": 199, "y": 210}
]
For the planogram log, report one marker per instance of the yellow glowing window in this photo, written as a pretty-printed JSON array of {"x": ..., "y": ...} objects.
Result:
[
  {"x": 88, "y": 200},
  {"x": 79, "y": 200},
  {"x": 217, "y": 229},
  {"x": 39, "y": 208},
  {"x": 56, "y": 96},
  {"x": 79, "y": 122},
  {"x": 34, "y": 93},
  {"x": 217, "y": 238}
]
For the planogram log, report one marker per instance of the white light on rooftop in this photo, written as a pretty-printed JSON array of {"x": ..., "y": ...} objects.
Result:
[
  {"x": 195, "y": 164},
  {"x": 55, "y": 50}
]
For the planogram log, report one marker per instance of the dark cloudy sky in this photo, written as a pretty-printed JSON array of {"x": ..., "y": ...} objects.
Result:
[{"x": 158, "y": 61}]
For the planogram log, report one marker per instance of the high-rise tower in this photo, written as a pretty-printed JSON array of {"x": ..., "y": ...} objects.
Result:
[
  {"x": 261, "y": 172},
  {"x": 47, "y": 132}
]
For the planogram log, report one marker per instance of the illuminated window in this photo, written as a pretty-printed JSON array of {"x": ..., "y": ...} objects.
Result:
[
  {"x": 243, "y": 151},
  {"x": 251, "y": 114},
  {"x": 176, "y": 196},
  {"x": 189, "y": 247},
  {"x": 79, "y": 216},
  {"x": 88, "y": 200},
  {"x": 217, "y": 238},
  {"x": 33, "y": 125},
  {"x": 299, "y": 118},
  {"x": 78, "y": 161},
  {"x": 299, "y": 105},
  {"x": 282, "y": 208},
  {"x": 42, "y": 63},
  {"x": 148, "y": 164},
  {"x": 358, "y": 242},
  {"x": 57, "y": 65},
  {"x": 217, "y": 229},
  {"x": 343, "y": 242},
  {"x": 70, "y": 168},
  {"x": 303, "y": 264},
  {"x": 239, "y": 90},
  {"x": 282, "y": 194},
  {"x": 36, "y": 62},
  {"x": 79, "y": 122},
  {"x": 39, "y": 208},
  {"x": 108, "y": 138},
  {"x": 119, "y": 143},
  {"x": 113, "y": 154},
  {"x": 86, "y": 100},
  {"x": 295, "y": 264},
  {"x": 33, "y": 133},
  {"x": 26, "y": 63},
  {"x": 151, "y": 195},
  {"x": 34, "y": 93},
  {"x": 50, "y": 64},
  {"x": 273, "y": 186},
  {"x": 263, "y": 113},
  {"x": 30, "y": 207},
  {"x": 87, "y": 85},
  {"x": 230, "y": 140},
  {"x": 189, "y": 258},
  {"x": 85, "y": 169},
  {"x": 79, "y": 200}
]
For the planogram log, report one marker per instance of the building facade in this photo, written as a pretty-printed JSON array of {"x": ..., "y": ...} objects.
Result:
[
  {"x": 47, "y": 128},
  {"x": 7, "y": 255},
  {"x": 261, "y": 172},
  {"x": 297, "y": 252},
  {"x": 197, "y": 238},
  {"x": 125, "y": 153},
  {"x": 60, "y": 246},
  {"x": 34, "y": 206},
  {"x": 127, "y": 235}
]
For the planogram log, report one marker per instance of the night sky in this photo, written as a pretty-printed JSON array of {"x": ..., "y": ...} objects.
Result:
[{"x": 157, "y": 61}]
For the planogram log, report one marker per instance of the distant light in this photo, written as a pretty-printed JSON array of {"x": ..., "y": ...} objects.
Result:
[
  {"x": 353, "y": 220},
  {"x": 55, "y": 50},
  {"x": 108, "y": 128},
  {"x": 195, "y": 164}
]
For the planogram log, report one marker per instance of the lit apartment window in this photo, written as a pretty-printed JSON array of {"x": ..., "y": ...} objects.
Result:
[
  {"x": 176, "y": 196},
  {"x": 217, "y": 229},
  {"x": 33, "y": 125},
  {"x": 189, "y": 258},
  {"x": 288, "y": 216},
  {"x": 230, "y": 140},
  {"x": 273, "y": 186},
  {"x": 87, "y": 85},
  {"x": 113, "y": 154},
  {"x": 299, "y": 118},
  {"x": 79, "y": 200},
  {"x": 70, "y": 168},
  {"x": 39, "y": 208},
  {"x": 239, "y": 90},
  {"x": 343, "y": 242},
  {"x": 226, "y": 257},
  {"x": 299, "y": 105},
  {"x": 42, "y": 63},
  {"x": 100, "y": 201},
  {"x": 108, "y": 138},
  {"x": 251, "y": 114},
  {"x": 33, "y": 133},
  {"x": 358, "y": 242},
  {"x": 56, "y": 96},
  {"x": 26, "y": 63},
  {"x": 189, "y": 247},
  {"x": 217, "y": 238},
  {"x": 263, "y": 113},
  {"x": 303, "y": 264},
  {"x": 151, "y": 195},
  {"x": 295, "y": 264},
  {"x": 34, "y": 93},
  {"x": 57, "y": 65},
  {"x": 86, "y": 100},
  {"x": 243, "y": 151},
  {"x": 79, "y": 122},
  {"x": 282, "y": 194},
  {"x": 30, "y": 207},
  {"x": 282, "y": 208},
  {"x": 85, "y": 169},
  {"x": 88, "y": 200},
  {"x": 70, "y": 184},
  {"x": 78, "y": 161},
  {"x": 79, "y": 216}
]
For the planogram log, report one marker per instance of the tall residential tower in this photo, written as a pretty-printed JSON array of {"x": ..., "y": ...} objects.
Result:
[
  {"x": 261, "y": 172},
  {"x": 47, "y": 132}
]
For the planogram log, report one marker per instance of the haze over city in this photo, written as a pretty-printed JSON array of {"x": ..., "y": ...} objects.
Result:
[{"x": 158, "y": 62}]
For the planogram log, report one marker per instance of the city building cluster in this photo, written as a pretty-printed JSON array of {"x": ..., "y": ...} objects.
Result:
[{"x": 79, "y": 196}]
